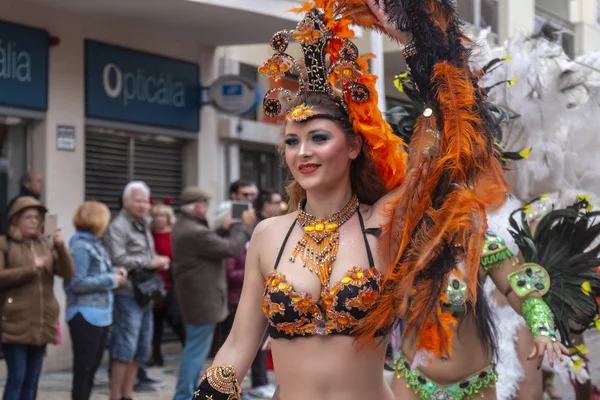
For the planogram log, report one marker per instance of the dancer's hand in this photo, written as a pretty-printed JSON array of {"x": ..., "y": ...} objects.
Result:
[
  {"x": 543, "y": 344},
  {"x": 391, "y": 30}
]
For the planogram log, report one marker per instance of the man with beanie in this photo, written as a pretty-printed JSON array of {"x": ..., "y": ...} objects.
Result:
[{"x": 200, "y": 279}]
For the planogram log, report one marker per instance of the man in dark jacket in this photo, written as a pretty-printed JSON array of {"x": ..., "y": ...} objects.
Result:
[
  {"x": 31, "y": 184},
  {"x": 199, "y": 274}
]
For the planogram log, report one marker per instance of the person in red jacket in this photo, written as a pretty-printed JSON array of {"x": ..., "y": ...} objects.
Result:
[{"x": 163, "y": 219}]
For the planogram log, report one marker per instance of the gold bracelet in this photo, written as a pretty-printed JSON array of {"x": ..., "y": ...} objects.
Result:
[{"x": 223, "y": 380}]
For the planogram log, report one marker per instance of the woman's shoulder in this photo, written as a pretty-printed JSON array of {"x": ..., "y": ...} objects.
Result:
[{"x": 274, "y": 227}]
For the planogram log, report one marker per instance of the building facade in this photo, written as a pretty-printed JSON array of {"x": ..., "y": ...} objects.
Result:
[{"x": 96, "y": 93}]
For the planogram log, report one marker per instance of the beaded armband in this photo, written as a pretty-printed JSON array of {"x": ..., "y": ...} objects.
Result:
[
  {"x": 218, "y": 383},
  {"x": 539, "y": 318},
  {"x": 528, "y": 279},
  {"x": 495, "y": 252}
]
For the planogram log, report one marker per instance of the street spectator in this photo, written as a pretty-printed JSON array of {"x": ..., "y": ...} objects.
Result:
[
  {"x": 30, "y": 184},
  {"x": 129, "y": 244},
  {"x": 242, "y": 190},
  {"x": 163, "y": 219},
  {"x": 268, "y": 204},
  {"x": 199, "y": 274},
  {"x": 89, "y": 295},
  {"x": 30, "y": 313}
]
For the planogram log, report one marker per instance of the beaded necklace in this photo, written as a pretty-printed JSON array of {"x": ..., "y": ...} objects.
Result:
[{"x": 320, "y": 242}]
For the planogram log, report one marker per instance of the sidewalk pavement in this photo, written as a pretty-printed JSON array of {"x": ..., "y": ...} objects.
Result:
[{"x": 57, "y": 386}]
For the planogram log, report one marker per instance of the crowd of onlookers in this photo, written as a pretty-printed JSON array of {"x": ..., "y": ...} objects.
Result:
[{"x": 124, "y": 278}]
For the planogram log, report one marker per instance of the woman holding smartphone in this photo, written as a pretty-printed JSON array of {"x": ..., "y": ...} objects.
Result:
[
  {"x": 89, "y": 295},
  {"x": 30, "y": 311}
]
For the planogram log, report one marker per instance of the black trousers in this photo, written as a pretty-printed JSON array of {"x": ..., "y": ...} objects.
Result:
[
  {"x": 259, "y": 367},
  {"x": 160, "y": 315},
  {"x": 88, "y": 343}
]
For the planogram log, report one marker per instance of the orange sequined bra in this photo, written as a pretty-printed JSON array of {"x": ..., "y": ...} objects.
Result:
[{"x": 339, "y": 309}]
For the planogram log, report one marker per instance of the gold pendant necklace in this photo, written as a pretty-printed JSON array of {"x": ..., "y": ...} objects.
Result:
[{"x": 319, "y": 245}]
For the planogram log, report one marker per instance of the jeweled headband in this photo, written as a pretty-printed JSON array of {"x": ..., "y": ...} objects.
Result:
[{"x": 332, "y": 66}]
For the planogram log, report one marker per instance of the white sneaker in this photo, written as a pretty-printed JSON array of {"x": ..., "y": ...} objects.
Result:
[{"x": 263, "y": 392}]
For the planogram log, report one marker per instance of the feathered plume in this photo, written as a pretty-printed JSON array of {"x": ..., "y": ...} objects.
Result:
[
  {"x": 558, "y": 100},
  {"x": 439, "y": 218}
]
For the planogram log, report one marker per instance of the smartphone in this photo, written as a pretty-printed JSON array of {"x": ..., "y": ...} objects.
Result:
[
  {"x": 50, "y": 224},
  {"x": 238, "y": 208}
]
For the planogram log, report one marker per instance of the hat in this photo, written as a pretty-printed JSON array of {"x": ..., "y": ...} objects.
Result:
[
  {"x": 23, "y": 203},
  {"x": 194, "y": 195}
]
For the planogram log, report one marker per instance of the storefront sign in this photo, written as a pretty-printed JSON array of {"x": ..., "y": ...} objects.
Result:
[
  {"x": 233, "y": 95},
  {"x": 140, "y": 88},
  {"x": 23, "y": 66},
  {"x": 65, "y": 138}
]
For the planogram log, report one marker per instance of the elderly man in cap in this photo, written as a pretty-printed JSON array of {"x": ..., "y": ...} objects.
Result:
[{"x": 200, "y": 279}]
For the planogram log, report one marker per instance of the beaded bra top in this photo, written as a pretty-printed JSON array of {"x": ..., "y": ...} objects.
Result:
[{"x": 338, "y": 310}]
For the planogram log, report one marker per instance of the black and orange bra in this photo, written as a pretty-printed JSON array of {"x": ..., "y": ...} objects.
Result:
[{"x": 338, "y": 310}]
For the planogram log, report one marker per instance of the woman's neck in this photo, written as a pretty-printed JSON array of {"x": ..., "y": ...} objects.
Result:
[
  {"x": 323, "y": 204},
  {"x": 163, "y": 230}
]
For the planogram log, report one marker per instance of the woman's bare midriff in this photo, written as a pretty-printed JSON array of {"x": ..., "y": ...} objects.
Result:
[
  {"x": 329, "y": 368},
  {"x": 468, "y": 355}
]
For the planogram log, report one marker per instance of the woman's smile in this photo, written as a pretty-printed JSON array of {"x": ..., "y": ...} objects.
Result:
[{"x": 307, "y": 169}]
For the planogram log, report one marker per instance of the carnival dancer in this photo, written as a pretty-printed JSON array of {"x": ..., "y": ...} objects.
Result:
[
  {"x": 557, "y": 98},
  {"x": 314, "y": 274},
  {"x": 448, "y": 348},
  {"x": 518, "y": 377}
]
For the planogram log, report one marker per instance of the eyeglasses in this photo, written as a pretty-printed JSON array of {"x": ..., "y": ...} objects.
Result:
[
  {"x": 248, "y": 194},
  {"x": 31, "y": 217}
]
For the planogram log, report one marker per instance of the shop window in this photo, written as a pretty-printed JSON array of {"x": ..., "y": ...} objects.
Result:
[
  {"x": 264, "y": 168},
  {"x": 481, "y": 13},
  {"x": 13, "y": 156}
]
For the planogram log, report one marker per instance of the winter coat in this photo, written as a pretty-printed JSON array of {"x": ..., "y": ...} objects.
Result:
[
  {"x": 129, "y": 244},
  {"x": 198, "y": 270},
  {"x": 30, "y": 311}
]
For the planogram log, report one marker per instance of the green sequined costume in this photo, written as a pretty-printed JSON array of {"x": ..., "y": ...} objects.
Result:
[{"x": 427, "y": 389}]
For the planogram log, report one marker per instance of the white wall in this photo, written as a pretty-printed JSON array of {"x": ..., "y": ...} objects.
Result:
[
  {"x": 64, "y": 171},
  {"x": 587, "y": 31},
  {"x": 515, "y": 16}
]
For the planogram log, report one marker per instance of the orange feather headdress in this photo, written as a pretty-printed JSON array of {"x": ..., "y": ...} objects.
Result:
[
  {"x": 332, "y": 65},
  {"x": 438, "y": 221}
]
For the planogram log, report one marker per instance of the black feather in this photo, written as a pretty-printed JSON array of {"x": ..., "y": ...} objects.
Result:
[{"x": 565, "y": 243}]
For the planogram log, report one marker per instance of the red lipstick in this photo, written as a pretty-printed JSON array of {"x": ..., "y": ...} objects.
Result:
[{"x": 306, "y": 169}]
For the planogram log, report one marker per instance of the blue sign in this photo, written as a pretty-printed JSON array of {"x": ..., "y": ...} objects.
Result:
[
  {"x": 233, "y": 89},
  {"x": 23, "y": 66},
  {"x": 141, "y": 88}
]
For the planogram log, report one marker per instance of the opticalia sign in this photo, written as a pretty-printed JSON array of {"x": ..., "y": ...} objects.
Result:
[
  {"x": 23, "y": 66},
  {"x": 135, "y": 87}
]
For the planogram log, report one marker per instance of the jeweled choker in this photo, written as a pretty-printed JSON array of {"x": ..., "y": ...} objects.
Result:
[{"x": 320, "y": 242}]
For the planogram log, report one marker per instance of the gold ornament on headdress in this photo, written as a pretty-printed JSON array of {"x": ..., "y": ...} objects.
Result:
[
  {"x": 331, "y": 65},
  {"x": 317, "y": 41},
  {"x": 300, "y": 113},
  {"x": 319, "y": 245}
]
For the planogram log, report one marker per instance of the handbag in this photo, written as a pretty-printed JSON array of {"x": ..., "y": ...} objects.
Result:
[{"x": 148, "y": 286}]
